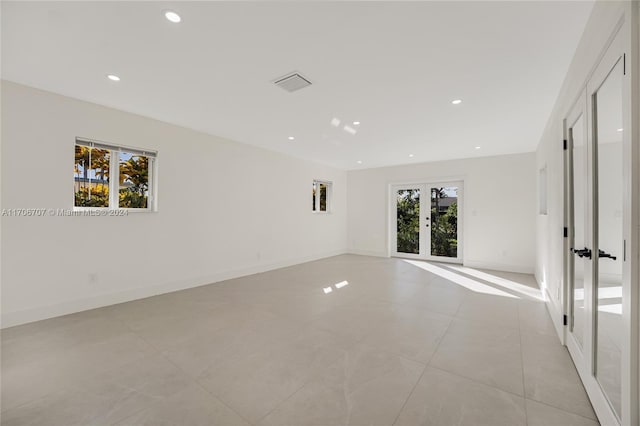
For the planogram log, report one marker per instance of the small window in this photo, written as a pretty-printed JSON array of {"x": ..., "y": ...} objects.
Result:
[
  {"x": 113, "y": 177},
  {"x": 321, "y": 196}
]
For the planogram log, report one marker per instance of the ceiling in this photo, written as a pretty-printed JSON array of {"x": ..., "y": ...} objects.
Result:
[{"x": 393, "y": 66}]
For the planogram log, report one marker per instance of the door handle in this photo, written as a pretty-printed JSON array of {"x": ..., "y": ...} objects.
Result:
[
  {"x": 601, "y": 253},
  {"x": 585, "y": 252}
]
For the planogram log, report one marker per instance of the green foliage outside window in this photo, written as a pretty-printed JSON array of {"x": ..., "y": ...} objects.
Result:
[
  {"x": 443, "y": 223},
  {"x": 134, "y": 182},
  {"x": 99, "y": 196},
  {"x": 444, "y": 233},
  {"x": 408, "y": 222},
  {"x": 91, "y": 173},
  {"x": 323, "y": 197}
]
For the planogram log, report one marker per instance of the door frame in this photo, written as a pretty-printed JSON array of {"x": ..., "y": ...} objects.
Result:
[{"x": 392, "y": 212}]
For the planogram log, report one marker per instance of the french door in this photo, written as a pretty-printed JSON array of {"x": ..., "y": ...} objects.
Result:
[
  {"x": 425, "y": 221},
  {"x": 599, "y": 326}
]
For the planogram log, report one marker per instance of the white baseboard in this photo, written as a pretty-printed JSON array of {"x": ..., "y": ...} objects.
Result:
[
  {"x": 10, "y": 319},
  {"x": 521, "y": 269},
  {"x": 366, "y": 253}
]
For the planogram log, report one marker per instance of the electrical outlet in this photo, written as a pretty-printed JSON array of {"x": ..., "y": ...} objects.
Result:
[{"x": 93, "y": 278}]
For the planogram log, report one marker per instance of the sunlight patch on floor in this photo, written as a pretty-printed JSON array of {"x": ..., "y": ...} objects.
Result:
[
  {"x": 461, "y": 280},
  {"x": 502, "y": 282}
]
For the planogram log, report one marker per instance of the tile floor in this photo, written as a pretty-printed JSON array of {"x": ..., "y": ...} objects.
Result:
[{"x": 345, "y": 340}]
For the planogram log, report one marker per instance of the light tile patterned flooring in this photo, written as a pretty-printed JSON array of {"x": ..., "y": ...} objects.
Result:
[{"x": 403, "y": 343}]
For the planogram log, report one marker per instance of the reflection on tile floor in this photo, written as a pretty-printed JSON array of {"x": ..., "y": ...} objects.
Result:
[{"x": 345, "y": 340}]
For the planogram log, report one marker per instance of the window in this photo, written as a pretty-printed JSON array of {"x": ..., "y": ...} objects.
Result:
[
  {"x": 321, "y": 196},
  {"x": 95, "y": 170}
]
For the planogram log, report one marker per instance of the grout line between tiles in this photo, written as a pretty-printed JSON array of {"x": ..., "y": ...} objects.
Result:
[
  {"x": 455, "y": 374},
  {"x": 560, "y": 409},
  {"x": 559, "y": 344},
  {"x": 524, "y": 390},
  {"x": 478, "y": 382},
  {"x": 468, "y": 378},
  {"x": 191, "y": 379},
  {"x": 83, "y": 381},
  {"x": 425, "y": 367},
  {"x": 309, "y": 380}
]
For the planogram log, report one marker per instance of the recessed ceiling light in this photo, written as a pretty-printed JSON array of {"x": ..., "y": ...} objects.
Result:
[
  {"x": 359, "y": 161},
  {"x": 172, "y": 16},
  {"x": 356, "y": 123},
  {"x": 456, "y": 101},
  {"x": 335, "y": 122},
  {"x": 620, "y": 130},
  {"x": 477, "y": 147},
  {"x": 411, "y": 155},
  {"x": 113, "y": 77},
  {"x": 291, "y": 138}
]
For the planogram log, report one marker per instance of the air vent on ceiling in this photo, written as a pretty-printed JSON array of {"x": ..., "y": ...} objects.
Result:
[{"x": 292, "y": 82}]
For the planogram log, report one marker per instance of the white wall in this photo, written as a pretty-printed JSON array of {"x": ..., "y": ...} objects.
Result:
[
  {"x": 499, "y": 208},
  {"x": 225, "y": 209}
]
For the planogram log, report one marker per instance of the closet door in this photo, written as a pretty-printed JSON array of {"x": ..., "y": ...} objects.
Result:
[{"x": 601, "y": 333}]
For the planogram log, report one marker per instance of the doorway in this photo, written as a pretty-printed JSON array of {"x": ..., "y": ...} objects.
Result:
[{"x": 426, "y": 221}]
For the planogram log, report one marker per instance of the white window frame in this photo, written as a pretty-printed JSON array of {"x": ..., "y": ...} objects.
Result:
[
  {"x": 114, "y": 173},
  {"x": 329, "y": 185}
]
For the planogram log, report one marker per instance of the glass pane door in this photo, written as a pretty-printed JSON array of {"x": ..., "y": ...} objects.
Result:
[
  {"x": 425, "y": 223},
  {"x": 444, "y": 221},
  {"x": 608, "y": 130},
  {"x": 580, "y": 266},
  {"x": 408, "y": 220}
]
